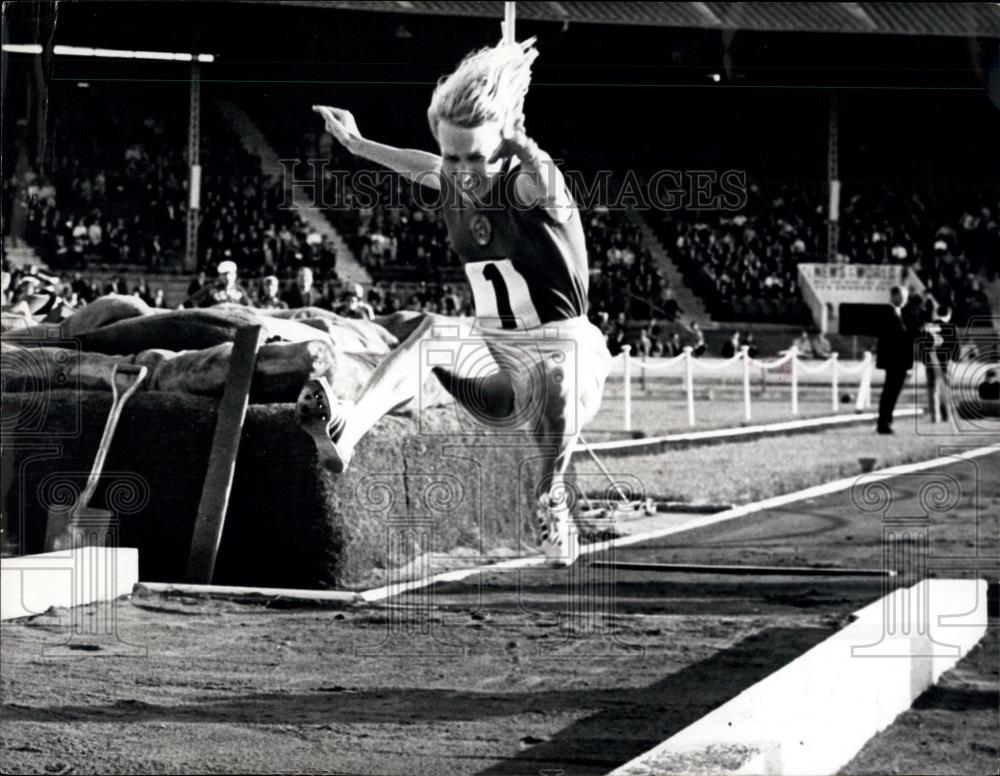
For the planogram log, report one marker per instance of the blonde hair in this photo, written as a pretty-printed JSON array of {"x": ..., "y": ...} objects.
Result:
[{"x": 488, "y": 85}]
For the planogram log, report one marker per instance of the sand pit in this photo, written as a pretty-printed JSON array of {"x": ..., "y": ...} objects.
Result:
[{"x": 415, "y": 487}]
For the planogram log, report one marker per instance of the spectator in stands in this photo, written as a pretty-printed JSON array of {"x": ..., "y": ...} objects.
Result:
[
  {"x": 376, "y": 299},
  {"x": 196, "y": 284},
  {"x": 354, "y": 305},
  {"x": 616, "y": 335},
  {"x": 674, "y": 347},
  {"x": 84, "y": 291},
  {"x": 645, "y": 344},
  {"x": 699, "y": 348},
  {"x": 269, "y": 299},
  {"x": 225, "y": 289},
  {"x": 602, "y": 322},
  {"x": 143, "y": 291},
  {"x": 894, "y": 355},
  {"x": 936, "y": 348},
  {"x": 303, "y": 293},
  {"x": 668, "y": 305},
  {"x": 657, "y": 345},
  {"x": 159, "y": 299},
  {"x": 821, "y": 347},
  {"x": 117, "y": 286},
  {"x": 803, "y": 344},
  {"x": 748, "y": 340},
  {"x": 450, "y": 304},
  {"x": 391, "y": 301},
  {"x": 731, "y": 346}
]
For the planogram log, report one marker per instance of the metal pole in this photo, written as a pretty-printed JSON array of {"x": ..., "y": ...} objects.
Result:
[
  {"x": 864, "y": 389},
  {"x": 627, "y": 378},
  {"x": 689, "y": 382},
  {"x": 194, "y": 171},
  {"x": 509, "y": 22},
  {"x": 745, "y": 352},
  {"x": 833, "y": 180},
  {"x": 794, "y": 361},
  {"x": 834, "y": 390}
]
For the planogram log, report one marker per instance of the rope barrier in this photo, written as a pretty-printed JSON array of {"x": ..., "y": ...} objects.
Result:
[
  {"x": 815, "y": 370},
  {"x": 863, "y": 371},
  {"x": 773, "y": 364},
  {"x": 669, "y": 362},
  {"x": 718, "y": 367}
]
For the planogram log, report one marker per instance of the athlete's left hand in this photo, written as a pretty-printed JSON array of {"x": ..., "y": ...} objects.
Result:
[{"x": 514, "y": 141}]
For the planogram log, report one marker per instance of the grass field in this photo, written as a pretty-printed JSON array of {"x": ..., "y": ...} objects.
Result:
[{"x": 739, "y": 472}]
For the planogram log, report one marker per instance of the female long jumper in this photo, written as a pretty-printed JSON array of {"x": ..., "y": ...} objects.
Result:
[{"x": 517, "y": 231}]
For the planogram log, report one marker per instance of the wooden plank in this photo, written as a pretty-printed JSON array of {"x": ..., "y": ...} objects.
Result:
[
  {"x": 239, "y": 592},
  {"x": 222, "y": 461},
  {"x": 741, "y": 570}
]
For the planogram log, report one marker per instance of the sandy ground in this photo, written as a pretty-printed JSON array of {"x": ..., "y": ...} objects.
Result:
[{"x": 506, "y": 673}]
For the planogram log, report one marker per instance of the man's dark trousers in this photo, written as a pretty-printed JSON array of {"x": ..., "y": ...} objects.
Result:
[
  {"x": 895, "y": 355},
  {"x": 893, "y": 386}
]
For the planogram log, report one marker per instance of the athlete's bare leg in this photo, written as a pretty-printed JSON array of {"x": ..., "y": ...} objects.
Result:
[
  {"x": 337, "y": 426},
  {"x": 523, "y": 377}
]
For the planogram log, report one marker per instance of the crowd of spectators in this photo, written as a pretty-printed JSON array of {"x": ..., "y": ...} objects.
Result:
[
  {"x": 949, "y": 234},
  {"x": 398, "y": 238},
  {"x": 116, "y": 195},
  {"x": 625, "y": 278},
  {"x": 54, "y": 295},
  {"x": 744, "y": 264}
]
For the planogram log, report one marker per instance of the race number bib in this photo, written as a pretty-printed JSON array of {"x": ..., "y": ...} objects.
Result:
[{"x": 501, "y": 295}]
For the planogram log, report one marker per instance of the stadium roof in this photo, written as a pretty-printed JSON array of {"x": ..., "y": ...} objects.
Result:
[{"x": 939, "y": 19}]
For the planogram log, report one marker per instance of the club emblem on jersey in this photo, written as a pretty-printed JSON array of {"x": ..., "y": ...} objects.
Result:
[{"x": 481, "y": 228}]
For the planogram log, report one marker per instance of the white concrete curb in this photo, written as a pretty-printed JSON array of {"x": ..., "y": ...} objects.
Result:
[
  {"x": 30, "y": 584},
  {"x": 735, "y": 434},
  {"x": 814, "y": 714}
]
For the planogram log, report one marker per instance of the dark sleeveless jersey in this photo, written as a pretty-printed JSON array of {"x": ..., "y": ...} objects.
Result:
[{"x": 525, "y": 269}]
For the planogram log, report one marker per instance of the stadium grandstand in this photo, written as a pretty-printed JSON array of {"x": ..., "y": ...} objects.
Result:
[
  {"x": 627, "y": 476},
  {"x": 103, "y": 202}
]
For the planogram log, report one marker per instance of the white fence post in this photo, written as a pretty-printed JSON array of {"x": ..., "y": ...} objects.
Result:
[
  {"x": 834, "y": 389},
  {"x": 689, "y": 382},
  {"x": 627, "y": 379},
  {"x": 794, "y": 361},
  {"x": 865, "y": 387},
  {"x": 745, "y": 352}
]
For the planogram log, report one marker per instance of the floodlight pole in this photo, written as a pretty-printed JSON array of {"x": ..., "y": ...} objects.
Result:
[
  {"x": 833, "y": 183},
  {"x": 194, "y": 170}
]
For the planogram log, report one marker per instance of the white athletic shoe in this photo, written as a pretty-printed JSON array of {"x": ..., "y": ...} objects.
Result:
[
  {"x": 560, "y": 539},
  {"x": 323, "y": 416}
]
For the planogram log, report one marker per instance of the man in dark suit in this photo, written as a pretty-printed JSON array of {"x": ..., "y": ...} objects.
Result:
[
  {"x": 303, "y": 293},
  {"x": 894, "y": 354}
]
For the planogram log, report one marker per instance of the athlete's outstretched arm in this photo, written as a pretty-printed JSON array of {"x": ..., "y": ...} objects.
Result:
[
  {"x": 420, "y": 166},
  {"x": 543, "y": 183}
]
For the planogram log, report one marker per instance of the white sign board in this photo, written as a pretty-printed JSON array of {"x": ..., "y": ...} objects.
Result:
[{"x": 826, "y": 286}]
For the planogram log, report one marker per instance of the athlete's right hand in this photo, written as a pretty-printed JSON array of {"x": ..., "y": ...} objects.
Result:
[{"x": 341, "y": 124}]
